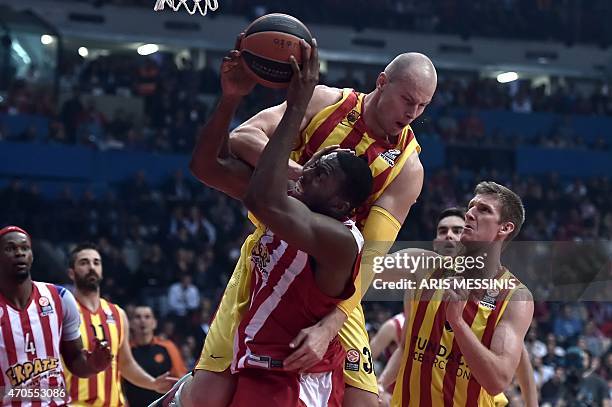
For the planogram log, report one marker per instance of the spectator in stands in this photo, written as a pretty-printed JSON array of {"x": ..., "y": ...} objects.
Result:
[
  {"x": 596, "y": 342},
  {"x": 177, "y": 189},
  {"x": 201, "y": 324},
  {"x": 183, "y": 300},
  {"x": 567, "y": 325},
  {"x": 554, "y": 389},
  {"x": 155, "y": 355},
  {"x": 592, "y": 388},
  {"x": 199, "y": 227},
  {"x": 72, "y": 112}
]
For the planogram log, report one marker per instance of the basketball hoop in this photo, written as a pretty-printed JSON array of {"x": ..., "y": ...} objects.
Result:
[{"x": 211, "y": 5}]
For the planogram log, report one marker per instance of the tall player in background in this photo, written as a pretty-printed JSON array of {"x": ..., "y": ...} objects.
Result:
[
  {"x": 449, "y": 228},
  {"x": 376, "y": 126},
  {"x": 103, "y": 320},
  {"x": 462, "y": 347},
  {"x": 39, "y": 323}
]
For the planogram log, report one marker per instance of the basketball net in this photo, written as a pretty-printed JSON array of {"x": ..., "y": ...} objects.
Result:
[{"x": 211, "y": 5}]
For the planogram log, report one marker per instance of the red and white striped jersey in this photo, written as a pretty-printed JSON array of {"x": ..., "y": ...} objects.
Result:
[
  {"x": 398, "y": 325},
  {"x": 284, "y": 300},
  {"x": 30, "y": 344}
]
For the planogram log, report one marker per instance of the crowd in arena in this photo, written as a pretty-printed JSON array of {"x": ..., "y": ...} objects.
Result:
[{"x": 173, "y": 110}]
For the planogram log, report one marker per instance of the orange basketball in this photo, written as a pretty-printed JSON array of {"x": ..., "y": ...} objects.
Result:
[{"x": 267, "y": 45}]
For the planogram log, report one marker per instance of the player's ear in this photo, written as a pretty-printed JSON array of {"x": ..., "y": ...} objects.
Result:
[
  {"x": 342, "y": 207},
  {"x": 507, "y": 228},
  {"x": 381, "y": 81}
]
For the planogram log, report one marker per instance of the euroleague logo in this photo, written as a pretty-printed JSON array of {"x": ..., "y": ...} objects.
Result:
[
  {"x": 352, "y": 360},
  {"x": 45, "y": 306},
  {"x": 352, "y": 356}
]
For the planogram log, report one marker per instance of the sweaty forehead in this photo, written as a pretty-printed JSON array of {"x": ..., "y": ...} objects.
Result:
[
  {"x": 329, "y": 157},
  {"x": 414, "y": 87},
  {"x": 15, "y": 238},
  {"x": 330, "y": 160},
  {"x": 485, "y": 199}
]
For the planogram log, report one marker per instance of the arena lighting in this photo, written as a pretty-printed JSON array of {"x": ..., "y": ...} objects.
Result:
[
  {"x": 21, "y": 53},
  {"x": 147, "y": 49},
  {"x": 83, "y": 51},
  {"x": 507, "y": 77},
  {"x": 46, "y": 39}
]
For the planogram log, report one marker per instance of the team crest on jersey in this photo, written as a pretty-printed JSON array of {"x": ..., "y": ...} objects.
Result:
[
  {"x": 45, "y": 306},
  {"x": 351, "y": 118},
  {"x": 260, "y": 257},
  {"x": 390, "y": 156}
]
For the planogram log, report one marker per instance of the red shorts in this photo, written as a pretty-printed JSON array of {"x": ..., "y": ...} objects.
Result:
[{"x": 271, "y": 388}]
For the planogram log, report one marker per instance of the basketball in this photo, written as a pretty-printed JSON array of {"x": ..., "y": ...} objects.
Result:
[{"x": 267, "y": 45}]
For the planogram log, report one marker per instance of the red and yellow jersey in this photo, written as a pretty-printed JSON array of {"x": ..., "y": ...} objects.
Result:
[
  {"x": 433, "y": 371},
  {"x": 342, "y": 123},
  {"x": 103, "y": 389}
]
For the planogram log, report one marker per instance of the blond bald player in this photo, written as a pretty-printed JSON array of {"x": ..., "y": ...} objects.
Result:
[{"x": 376, "y": 126}]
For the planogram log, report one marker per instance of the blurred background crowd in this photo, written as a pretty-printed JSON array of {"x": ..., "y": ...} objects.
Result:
[{"x": 172, "y": 244}]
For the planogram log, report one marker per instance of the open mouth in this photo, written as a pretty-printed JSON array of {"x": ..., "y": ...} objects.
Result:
[{"x": 468, "y": 227}]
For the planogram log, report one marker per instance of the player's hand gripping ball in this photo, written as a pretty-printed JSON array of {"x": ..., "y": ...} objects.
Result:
[{"x": 267, "y": 45}]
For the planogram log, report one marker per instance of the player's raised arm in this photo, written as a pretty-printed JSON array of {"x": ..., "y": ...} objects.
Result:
[
  {"x": 211, "y": 161},
  {"x": 249, "y": 139}
]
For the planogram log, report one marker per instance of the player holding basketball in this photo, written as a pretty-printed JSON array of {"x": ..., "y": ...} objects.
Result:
[
  {"x": 39, "y": 323},
  {"x": 103, "y": 320},
  {"x": 463, "y": 347},
  {"x": 451, "y": 222},
  {"x": 376, "y": 126},
  {"x": 303, "y": 264}
]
